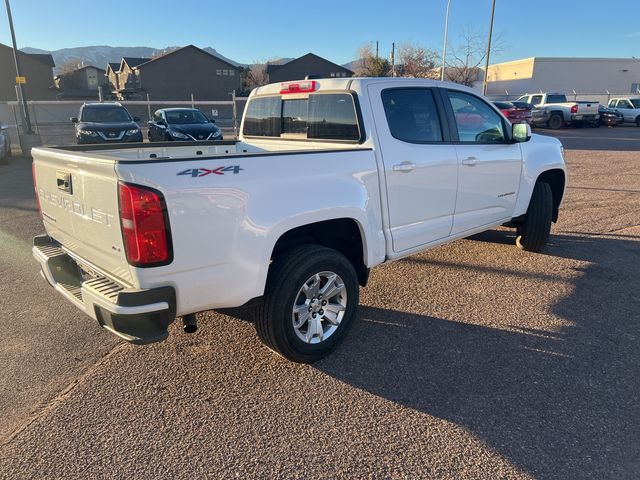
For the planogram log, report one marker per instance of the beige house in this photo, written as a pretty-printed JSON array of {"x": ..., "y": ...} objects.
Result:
[{"x": 565, "y": 75}]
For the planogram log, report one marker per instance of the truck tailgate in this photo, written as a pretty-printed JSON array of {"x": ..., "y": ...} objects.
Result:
[{"x": 79, "y": 203}]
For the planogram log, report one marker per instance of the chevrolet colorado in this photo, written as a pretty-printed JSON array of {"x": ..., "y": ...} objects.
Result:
[{"x": 328, "y": 179}]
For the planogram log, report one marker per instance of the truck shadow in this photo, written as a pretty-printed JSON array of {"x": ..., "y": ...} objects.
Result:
[{"x": 557, "y": 404}]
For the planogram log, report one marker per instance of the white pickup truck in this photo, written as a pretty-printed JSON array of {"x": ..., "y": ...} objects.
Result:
[
  {"x": 329, "y": 178},
  {"x": 554, "y": 111}
]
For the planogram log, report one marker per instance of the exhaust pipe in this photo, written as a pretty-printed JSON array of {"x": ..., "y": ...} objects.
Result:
[{"x": 189, "y": 323}]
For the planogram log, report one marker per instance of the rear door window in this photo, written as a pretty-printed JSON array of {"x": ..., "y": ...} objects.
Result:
[
  {"x": 556, "y": 98},
  {"x": 412, "y": 115}
]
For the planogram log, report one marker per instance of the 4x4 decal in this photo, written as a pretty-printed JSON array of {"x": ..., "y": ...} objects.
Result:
[{"x": 203, "y": 172}]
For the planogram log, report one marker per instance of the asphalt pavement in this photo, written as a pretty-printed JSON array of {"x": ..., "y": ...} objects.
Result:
[{"x": 473, "y": 360}]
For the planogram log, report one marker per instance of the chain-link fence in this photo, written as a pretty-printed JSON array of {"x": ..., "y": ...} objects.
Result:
[{"x": 51, "y": 119}]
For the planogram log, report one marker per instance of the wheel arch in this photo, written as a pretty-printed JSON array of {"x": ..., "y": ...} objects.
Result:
[
  {"x": 556, "y": 179},
  {"x": 345, "y": 235}
]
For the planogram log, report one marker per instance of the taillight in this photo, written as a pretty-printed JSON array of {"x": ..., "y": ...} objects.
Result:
[
  {"x": 145, "y": 226},
  {"x": 35, "y": 186},
  {"x": 298, "y": 87},
  {"x": 574, "y": 108}
]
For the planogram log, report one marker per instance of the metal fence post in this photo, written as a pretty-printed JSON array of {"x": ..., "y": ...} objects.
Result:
[
  {"x": 148, "y": 107},
  {"x": 235, "y": 114},
  {"x": 35, "y": 118},
  {"x": 193, "y": 105},
  {"x": 15, "y": 120}
]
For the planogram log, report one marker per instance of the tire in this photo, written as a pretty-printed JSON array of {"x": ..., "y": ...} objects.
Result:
[
  {"x": 638, "y": 121},
  {"x": 555, "y": 122},
  {"x": 532, "y": 235},
  {"x": 276, "y": 316}
]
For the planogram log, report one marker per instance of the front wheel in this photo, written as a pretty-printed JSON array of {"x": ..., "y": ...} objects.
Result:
[
  {"x": 309, "y": 303},
  {"x": 532, "y": 235}
]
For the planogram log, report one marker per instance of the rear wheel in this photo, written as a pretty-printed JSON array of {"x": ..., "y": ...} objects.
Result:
[
  {"x": 555, "y": 121},
  {"x": 309, "y": 303},
  {"x": 638, "y": 121},
  {"x": 533, "y": 233}
]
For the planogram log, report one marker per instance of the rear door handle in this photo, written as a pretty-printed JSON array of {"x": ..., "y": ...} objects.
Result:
[
  {"x": 470, "y": 161},
  {"x": 404, "y": 167}
]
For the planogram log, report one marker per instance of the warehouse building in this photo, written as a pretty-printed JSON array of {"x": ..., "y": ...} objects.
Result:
[{"x": 585, "y": 76}]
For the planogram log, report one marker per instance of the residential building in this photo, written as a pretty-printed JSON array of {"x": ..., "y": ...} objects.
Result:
[
  {"x": 593, "y": 76},
  {"x": 113, "y": 68},
  {"x": 36, "y": 68},
  {"x": 82, "y": 82},
  {"x": 129, "y": 78},
  {"x": 176, "y": 76},
  {"x": 308, "y": 65}
]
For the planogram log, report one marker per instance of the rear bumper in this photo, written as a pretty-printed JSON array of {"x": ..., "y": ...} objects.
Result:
[{"x": 137, "y": 316}]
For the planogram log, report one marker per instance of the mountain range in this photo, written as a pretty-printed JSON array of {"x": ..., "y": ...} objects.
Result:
[{"x": 100, "y": 55}]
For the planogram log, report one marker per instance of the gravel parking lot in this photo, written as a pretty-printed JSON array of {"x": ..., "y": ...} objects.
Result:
[{"x": 474, "y": 360}]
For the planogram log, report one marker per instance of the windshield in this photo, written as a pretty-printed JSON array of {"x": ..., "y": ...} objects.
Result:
[
  {"x": 185, "y": 117},
  {"x": 636, "y": 102},
  {"x": 105, "y": 115}
]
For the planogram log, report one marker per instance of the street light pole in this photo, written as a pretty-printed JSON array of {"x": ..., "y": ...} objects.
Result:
[
  {"x": 444, "y": 43},
  {"x": 486, "y": 68},
  {"x": 25, "y": 110}
]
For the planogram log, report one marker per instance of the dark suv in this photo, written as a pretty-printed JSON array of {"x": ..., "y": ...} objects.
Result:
[{"x": 105, "y": 123}]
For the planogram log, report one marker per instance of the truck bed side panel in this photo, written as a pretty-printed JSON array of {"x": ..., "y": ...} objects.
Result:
[{"x": 226, "y": 215}]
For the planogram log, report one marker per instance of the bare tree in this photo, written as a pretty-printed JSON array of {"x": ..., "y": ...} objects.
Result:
[
  {"x": 417, "y": 61},
  {"x": 256, "y": 75},
  {"x": 69, "y": 66},
  {"x": 464, "y": 65},
  {"x": 368, "y": 65}
]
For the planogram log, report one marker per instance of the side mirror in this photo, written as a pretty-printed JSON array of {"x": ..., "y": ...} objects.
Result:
[
  {"x": 521, "y": 132},
  {"x": 74, "y": 119},
  {"x": 161, "y": 122},
  {"x": 136, "y": 119},
  {"x": 212, "y": 120}
]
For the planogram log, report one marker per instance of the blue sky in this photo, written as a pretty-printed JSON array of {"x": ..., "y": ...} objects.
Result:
[{"x": 248, "y": 31}]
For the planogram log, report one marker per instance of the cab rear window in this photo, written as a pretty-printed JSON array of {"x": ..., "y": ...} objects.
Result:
[{"x": 321, "y": 116}]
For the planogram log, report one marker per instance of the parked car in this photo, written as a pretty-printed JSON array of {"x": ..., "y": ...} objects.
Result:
[
  {"x": 629, "y": 107},
  {"x": 5, "y": 144},
  {"x": 609, "y": 117},
  {"x": 556, "y": 112},
  {"x": 107, "y": 122},
  {"x": 515, "y": 113},
  {"x": 182, "y": 124},
  {"x": 291, "y": 217}
]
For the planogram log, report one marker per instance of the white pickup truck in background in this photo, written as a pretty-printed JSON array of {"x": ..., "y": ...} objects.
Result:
[
  {"x": 554, "y": 111},
  {"x": 329, "y": 178},
  {"x": 629, "y": 107}
]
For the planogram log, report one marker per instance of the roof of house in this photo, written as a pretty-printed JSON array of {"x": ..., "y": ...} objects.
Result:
[
  {"x": 134, "y": 61},
  {"x": 45, "y": 58},
  {"x": 271, "y": 67},
  {"x": 155, "y": 59},
  {"x": 81, "y": 68},
  {"x": 115, "y": 66}
]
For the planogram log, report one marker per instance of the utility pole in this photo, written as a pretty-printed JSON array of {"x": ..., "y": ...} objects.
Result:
[
  {"x": 486, "y": 68},
  {"x": 444, "y": 43},
  {"x": 377, "y": 50},
  {"x": 393, "y": 59},
  {"x": 22, "y": 99}
]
